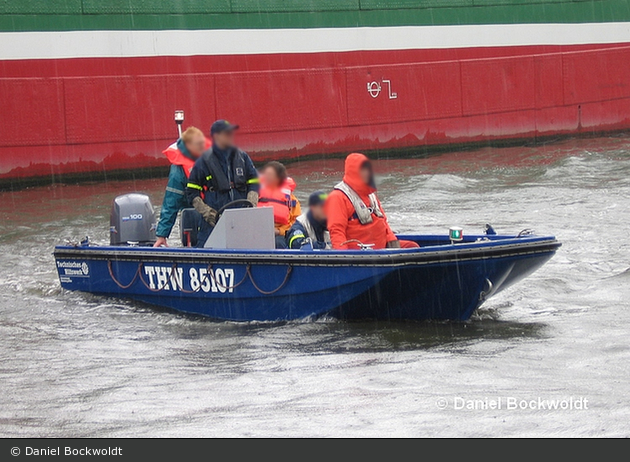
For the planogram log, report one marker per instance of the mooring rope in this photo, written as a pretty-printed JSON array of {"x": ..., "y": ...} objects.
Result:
[
  {"x": 286, "y": 279},
  {"x": 116, "y": 281},
  {"x": 218, "y": 284},
  {"x": 159, "y": 289}
]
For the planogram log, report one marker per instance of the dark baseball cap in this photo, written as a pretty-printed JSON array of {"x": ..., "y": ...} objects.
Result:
[
  {"x": 222, "y": 125},
  {"x": 317, "y": 198}
]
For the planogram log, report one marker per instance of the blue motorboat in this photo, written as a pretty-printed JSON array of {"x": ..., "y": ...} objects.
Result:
[
  {"x": 243, "y": 278},
  {"x": 443, "y": 279}
]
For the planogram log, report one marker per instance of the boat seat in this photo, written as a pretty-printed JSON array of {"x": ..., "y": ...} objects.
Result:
[{"x": 189, "y": 226}]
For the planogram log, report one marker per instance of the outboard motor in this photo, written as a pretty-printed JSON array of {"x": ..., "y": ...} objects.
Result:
[{"x": 132, "y": 221}]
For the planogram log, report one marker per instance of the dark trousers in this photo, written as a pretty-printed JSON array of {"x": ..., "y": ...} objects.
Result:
[{"x": 203, "y": 232}]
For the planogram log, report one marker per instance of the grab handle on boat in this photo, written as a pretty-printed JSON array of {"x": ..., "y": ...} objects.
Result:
[
  {"x": 264, "y": 292},
  {"x": 484, "y": 294},
  {"x": 228, "y": 288},
  {"x": 163, "y": 286},
  {"x": 359, "y": 244},
  {"x": 117, "y": 282}
]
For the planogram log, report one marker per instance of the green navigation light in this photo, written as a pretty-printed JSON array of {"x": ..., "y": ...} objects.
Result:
[{"x": 456, "y": 234}]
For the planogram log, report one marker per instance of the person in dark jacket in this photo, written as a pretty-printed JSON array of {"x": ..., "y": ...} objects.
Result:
[
  {"x": 182, "y": 155},
  {"x": 309, "y": 230},
  {"x": 221, "y": 175}
]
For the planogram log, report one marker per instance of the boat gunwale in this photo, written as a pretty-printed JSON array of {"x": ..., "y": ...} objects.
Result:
[{"x": 479, "y": 250}]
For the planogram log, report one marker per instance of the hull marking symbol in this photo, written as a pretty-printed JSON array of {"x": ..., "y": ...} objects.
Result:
[{"x": 374, "y": 88}]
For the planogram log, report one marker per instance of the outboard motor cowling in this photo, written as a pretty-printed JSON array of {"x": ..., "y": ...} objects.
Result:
[{"x": 132, "y": 221}]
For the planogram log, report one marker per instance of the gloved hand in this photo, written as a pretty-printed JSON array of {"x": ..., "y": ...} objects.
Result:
[
  {"x": 393, "y": 244},
  {"x": 207, "y": 212},
  {"x": 252, "y": 196}
]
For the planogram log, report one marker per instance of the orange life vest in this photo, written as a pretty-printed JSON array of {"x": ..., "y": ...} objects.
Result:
[
  {"x": 280, "y": 199},
  {"x": 176, "y": 157}
]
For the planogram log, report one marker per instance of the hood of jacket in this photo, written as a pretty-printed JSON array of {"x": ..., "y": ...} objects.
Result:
[{"x": 352, "y": 174}]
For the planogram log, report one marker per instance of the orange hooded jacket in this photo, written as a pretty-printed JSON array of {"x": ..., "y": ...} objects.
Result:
[{"x": 342, "y": 222}]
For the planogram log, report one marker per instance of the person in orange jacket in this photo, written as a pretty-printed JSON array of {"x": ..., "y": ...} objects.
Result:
[
  {"x": 276, "y": 191},
  {"x": 355, "y": 215}
]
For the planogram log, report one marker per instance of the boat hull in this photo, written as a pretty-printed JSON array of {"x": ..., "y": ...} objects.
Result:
[
  {"x": 435, "y": 282},
  {"x": 440, "y": 291}
]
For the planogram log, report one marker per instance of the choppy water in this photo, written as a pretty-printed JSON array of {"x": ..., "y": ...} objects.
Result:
[{"x": 78, "y": 365}]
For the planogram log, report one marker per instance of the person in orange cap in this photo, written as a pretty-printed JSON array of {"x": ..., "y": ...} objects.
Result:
[{"x": 355, "y": 215}]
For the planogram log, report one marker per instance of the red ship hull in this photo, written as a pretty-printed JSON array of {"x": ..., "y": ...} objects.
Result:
[{"x": 102, "y": 114}]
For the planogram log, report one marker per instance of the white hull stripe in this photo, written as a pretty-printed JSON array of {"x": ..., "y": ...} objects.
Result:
[{"x": 120, "y": 44}]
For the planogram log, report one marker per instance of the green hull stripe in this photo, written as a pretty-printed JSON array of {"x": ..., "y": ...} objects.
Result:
[
  {"x": 156, "y": 7},
  {"x": 508, "y": 12},
  {"x": 236, "y": 6},
  {"x": 269, "y": 6},
  {"x": 41, "y": 6}
]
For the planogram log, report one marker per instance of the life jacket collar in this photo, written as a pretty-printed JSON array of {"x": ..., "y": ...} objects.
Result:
[
  {"x": 364, "y": 212},
  {"x": 177, "y": 157}
]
